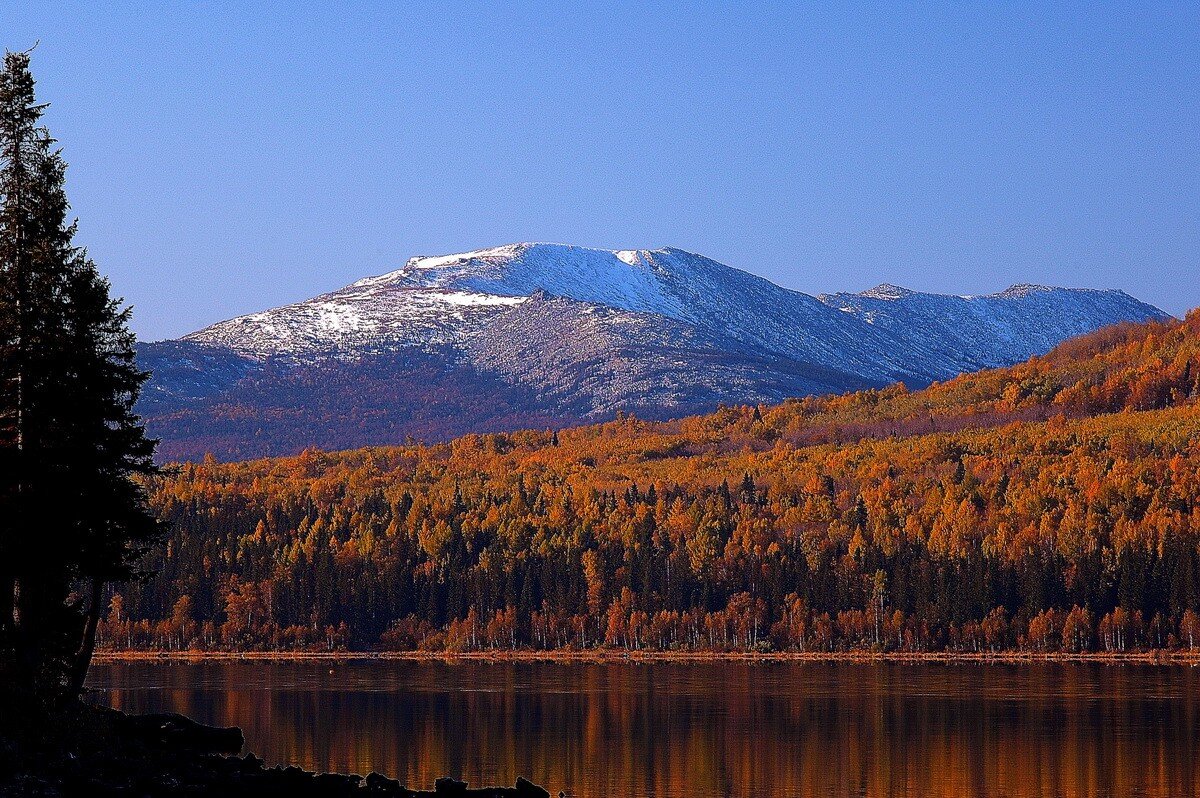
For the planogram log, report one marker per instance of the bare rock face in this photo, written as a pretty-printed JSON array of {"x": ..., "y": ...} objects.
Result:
[{"x": 547, "y": 335}]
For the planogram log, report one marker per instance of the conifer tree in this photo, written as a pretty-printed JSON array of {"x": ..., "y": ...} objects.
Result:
[{"x": 72, "y": 516}]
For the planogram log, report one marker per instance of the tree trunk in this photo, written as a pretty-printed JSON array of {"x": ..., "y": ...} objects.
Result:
[
  {"x": 8, "y": 588},
  {"x": 83, "y": 658}
]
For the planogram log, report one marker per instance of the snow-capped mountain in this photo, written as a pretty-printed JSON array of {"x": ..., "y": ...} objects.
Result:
[
  {"x": 452, "y": 298},
  {"x": 542, "y": 334}
]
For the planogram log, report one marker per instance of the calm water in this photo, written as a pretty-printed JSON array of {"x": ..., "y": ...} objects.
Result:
[{"x": 706, "y": 729}]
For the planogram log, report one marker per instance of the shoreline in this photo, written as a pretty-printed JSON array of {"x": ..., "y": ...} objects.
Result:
[{"x": 602, "y": 656}]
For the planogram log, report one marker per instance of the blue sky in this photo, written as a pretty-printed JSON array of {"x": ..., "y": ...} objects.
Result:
[{"x": 229, "y": 159}]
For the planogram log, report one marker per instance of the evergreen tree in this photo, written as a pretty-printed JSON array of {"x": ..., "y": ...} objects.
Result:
[{"x": 73, "y": 518}]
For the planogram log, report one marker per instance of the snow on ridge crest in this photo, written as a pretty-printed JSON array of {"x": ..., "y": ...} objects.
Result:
[
  {"x": 1026, "y": 289},
  {"x": 627, "y": 279},
  {"x": 634, "y": 257},
  {"x": 887, "y": 291},
  {"x": 435, "y": 270},
  {"x": 438, "y": 261}
]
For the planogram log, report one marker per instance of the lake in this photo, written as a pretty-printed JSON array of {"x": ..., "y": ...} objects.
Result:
[{"x": 704, "y": 729}]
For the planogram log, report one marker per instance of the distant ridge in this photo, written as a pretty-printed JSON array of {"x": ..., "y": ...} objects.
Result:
[{"x": 536, "y": 334}]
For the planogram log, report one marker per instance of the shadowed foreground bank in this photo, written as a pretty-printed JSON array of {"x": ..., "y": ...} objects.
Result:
[{"x": 101, "y": 752}]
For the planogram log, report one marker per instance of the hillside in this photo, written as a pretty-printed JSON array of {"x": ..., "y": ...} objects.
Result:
[
  {"x": 554, "y": 335},
  {"x": 1054, "y": 505}
]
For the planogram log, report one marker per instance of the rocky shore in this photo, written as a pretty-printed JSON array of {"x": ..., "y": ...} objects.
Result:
[{"x": 102, "y": 752}]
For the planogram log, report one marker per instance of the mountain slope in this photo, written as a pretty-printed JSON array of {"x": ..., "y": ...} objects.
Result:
[
  {"x": 598, "y": 359},
  {"x": 551, "y": 334},
  {"x": 955, "y": 333}
]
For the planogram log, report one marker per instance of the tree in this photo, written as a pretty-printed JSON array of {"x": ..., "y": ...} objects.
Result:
[
  {"x": 878, "y": 599},
  {"x": 1189, "y": 628},
  {"x": 1077, "y": 630},
  {"x": 75, "y": 519}
]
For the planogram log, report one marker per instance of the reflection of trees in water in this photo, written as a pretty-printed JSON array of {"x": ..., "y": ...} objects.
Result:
[{"x": 707, "y": 729}]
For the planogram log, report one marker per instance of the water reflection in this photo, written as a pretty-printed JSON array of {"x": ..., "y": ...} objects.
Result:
[{"x": 705, "y": 729}]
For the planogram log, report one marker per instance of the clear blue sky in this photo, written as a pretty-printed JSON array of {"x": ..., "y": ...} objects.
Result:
[{"x": 224, "y": 161}]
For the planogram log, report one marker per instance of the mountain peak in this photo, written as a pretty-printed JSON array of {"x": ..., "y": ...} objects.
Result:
[
  {"x": 1019, "y": 290},
  {"x": 502, "y": 252},
  {"x": 887, "y": 291},
  {"x": 533, "y": 251},
  {"x": 643, "y": 280}
]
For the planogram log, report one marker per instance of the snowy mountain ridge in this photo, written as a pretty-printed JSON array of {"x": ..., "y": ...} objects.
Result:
[{"x": 578, "y": 333}]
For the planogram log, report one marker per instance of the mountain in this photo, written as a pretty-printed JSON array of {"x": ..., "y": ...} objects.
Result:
[
  {"x": 953, "y": 334},
  {"x": 548, "y": 334}
]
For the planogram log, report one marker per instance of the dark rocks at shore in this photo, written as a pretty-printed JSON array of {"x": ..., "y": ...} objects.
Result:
[
  {"x": 109, "y": 753},
  {"x": 172, "y": 730}
]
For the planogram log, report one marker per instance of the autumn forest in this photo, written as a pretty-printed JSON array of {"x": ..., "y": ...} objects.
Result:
[{"x": 1050, "y": 507}]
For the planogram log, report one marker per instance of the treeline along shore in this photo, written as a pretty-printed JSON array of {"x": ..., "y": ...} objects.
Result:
[
  {"x": 1048, "y": 509},
  {"x": 618, "y": 656}
]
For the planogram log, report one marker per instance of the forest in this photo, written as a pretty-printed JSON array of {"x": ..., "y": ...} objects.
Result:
[{"x": 1053, "y": 506}]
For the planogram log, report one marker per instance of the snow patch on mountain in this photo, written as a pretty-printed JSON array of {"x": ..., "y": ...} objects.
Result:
[
  {"x": 887, "y": 291},
  {"x": 360, "y": 318}
]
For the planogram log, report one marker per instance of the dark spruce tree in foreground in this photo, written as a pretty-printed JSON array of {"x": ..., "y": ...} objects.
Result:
[{"x": 72, "y": 517}]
